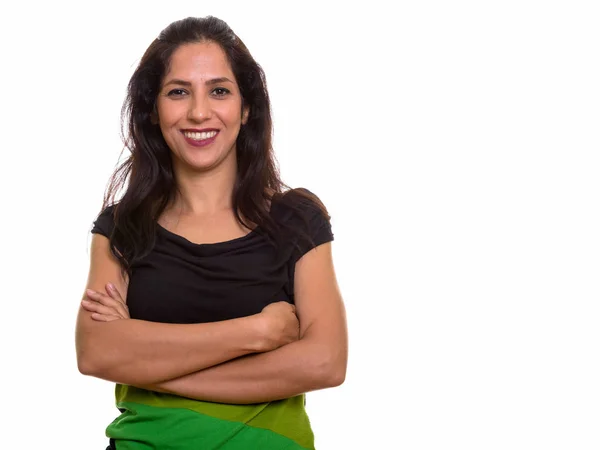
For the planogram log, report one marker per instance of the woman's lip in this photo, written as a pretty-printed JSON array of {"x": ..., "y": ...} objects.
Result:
[
  {"x": 194, "y": 130},
  {"x": 202, "y": 143}
]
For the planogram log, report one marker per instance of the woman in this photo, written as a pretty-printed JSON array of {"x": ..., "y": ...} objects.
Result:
[{"x": 211, "y": 299}]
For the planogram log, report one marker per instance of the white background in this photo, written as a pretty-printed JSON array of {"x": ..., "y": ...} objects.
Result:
[{"x": 456, "y": 147}]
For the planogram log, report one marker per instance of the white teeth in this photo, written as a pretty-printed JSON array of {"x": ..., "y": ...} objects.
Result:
[{"x": 199, "y": 136}]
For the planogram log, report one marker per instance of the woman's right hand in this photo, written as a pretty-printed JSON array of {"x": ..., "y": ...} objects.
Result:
[{"x": 279, "y": 324}]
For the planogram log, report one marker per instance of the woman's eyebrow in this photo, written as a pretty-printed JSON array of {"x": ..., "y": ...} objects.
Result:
[{"x": 207, "y": 82}]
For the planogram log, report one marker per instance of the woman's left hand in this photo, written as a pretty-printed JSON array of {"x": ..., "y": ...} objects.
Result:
[{"x": 106, "y": 308}]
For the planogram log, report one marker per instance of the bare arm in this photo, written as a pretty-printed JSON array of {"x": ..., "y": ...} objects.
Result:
[
  {"x": 141, "y": 352},
  {"x": 137, "y": 351},
  {"x": 316, "y": 361}
]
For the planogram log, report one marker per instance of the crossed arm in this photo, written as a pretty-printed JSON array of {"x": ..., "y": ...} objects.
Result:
[{"x": 235, "y": 372}]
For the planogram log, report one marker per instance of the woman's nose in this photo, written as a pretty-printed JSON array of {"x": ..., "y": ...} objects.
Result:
[{"x": 199, "y": 108}]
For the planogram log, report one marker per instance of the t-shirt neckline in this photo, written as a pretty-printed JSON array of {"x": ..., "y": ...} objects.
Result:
[{"x": 207, "y": 244}]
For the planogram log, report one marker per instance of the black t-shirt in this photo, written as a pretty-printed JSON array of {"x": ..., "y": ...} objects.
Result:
[{"x": 183, "y": 282}]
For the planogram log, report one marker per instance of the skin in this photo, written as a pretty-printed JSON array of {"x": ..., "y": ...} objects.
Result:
[
  {"x": 317, "y": 360},
  {"x": 205, "y": 177}
]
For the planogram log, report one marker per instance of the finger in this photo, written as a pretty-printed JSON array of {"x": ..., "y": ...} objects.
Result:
[
  {"x": 114, "y": 293},
  {"x": 104, "y": 317},
  {"x": 101, "y": 296},
  {"x": 102, "y": 309},
  {"x": 112, "y": 303},
  {"x": 88, "y": 305},
  {"x": 92, "y": 294}
]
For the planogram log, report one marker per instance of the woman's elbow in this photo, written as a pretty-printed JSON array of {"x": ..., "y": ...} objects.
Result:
[
  {"x": 336, "y": 375},
  {"x": 331, "y": 370},
  {"x": 87, "y": 361},
  {"x": 84, "y": 366}
]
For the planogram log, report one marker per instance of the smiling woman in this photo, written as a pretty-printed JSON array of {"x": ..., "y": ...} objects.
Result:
[
  {"x": 211, "y": 299},
  {"x": 199, "y": 90}
]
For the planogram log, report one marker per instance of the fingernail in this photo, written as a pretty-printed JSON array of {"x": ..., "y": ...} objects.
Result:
[
  {"x": 90, "y": 292},
  {"x": 111, "y": 287}
]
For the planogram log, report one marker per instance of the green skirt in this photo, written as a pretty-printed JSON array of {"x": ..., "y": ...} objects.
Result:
[{"x": 153, "y": 420}]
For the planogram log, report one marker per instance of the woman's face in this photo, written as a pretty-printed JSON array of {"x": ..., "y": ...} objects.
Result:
[{"x": 198, "y": 97}]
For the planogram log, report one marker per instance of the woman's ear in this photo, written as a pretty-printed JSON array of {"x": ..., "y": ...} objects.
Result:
[{"x": 245, "y": 115}]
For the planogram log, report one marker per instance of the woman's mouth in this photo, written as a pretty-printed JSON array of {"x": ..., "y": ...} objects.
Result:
[{"x": 200, "y": 139}]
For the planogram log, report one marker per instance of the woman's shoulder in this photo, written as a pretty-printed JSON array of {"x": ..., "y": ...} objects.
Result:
[
  {"x": 302, "y": 201},
  {"x": 105, "y": 222},
  {"x": 302, "y": 210}
]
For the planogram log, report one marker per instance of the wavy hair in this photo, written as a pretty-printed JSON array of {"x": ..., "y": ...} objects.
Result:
[{"x": 147, "y": 174}]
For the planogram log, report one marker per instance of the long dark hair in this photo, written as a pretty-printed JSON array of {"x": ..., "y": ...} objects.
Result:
[{"x": 148, "y": 171}]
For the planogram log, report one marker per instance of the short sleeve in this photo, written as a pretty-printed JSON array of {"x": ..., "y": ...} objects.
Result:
[
  {"x": 319, "y": 230},
  {"x": 104, "y": 223}
]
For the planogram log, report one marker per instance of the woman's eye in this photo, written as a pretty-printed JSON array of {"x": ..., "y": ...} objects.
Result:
[
  {"x": 220, "y": 92},
  {"x": 223, "y": 92},
  {"x": 176, "y": 92}
]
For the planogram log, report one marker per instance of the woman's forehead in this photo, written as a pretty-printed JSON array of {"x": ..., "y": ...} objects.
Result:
[{"x": 199, "y": 60}]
